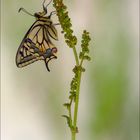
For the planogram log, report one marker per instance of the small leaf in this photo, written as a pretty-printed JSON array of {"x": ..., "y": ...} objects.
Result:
[
  {"x": 72, "y": 97},
  {"x": 69, "y": 121},
  {"x": 87, "y": 57},
  {"x": 67, "y": 105}
]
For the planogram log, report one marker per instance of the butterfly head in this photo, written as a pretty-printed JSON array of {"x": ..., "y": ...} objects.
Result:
[
  {"x": 45, "y": 10},
  {"x": 40, "y": 14}
]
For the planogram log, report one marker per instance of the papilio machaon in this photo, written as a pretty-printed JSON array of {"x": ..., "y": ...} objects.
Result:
[{"x": 36, "y": 44}]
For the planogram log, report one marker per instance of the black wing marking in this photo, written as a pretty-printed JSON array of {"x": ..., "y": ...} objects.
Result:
[{"x": 51, "y": 31}]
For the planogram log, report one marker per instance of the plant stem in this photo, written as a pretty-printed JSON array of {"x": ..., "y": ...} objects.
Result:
[
  {"x": 76, "y": 107},
  {"x": 76, "y": 56},
  {"x": 73, "y": 132},
  {"x": 73, "y": 136},
  {"x": 71, "y": 41}
]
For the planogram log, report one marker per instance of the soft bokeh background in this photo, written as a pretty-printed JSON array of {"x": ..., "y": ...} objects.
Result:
[{"x": 32, "y": 98}]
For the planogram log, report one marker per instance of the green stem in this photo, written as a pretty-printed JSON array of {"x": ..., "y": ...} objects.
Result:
[
  {"x": 73, "y": 136},
  {"x": 69, "y": 109},
  {"x": 74, "y": 130},
  {"x": 76, "y": 56},
  {"x": 81, "y": 62},
  {"x": 76, "y": 107}
]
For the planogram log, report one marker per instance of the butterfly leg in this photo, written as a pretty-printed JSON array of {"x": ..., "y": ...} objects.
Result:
[
  {"x": 55, "y": 24},
  {"x": 52, "y": 13}
]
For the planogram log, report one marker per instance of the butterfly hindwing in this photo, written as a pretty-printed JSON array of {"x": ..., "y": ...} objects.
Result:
[{"x": 27, "y": 53}]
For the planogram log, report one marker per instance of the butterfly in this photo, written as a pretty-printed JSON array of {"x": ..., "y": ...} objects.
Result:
[{"x": 36, "y": 44}]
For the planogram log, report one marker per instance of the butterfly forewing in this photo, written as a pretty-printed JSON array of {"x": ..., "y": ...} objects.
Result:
[{"x": 52, "y": 32}]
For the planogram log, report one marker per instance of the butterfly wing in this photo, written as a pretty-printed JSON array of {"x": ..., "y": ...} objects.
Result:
[{"x": 36, "y": 43}]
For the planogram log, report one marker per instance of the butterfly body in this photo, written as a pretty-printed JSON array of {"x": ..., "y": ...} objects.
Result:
[{"x": 37, "y": 44}]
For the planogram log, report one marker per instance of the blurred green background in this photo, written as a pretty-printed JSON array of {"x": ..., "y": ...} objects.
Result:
[{"x": 32, "y": 98}]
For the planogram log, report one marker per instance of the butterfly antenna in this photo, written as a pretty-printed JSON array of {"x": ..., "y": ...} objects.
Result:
[
  {"x": 48, "y": 3},
  {"x": 45, "y": 7},
  {"x": 25, "y": 11},
  {"x": 56, "y": 24}
]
